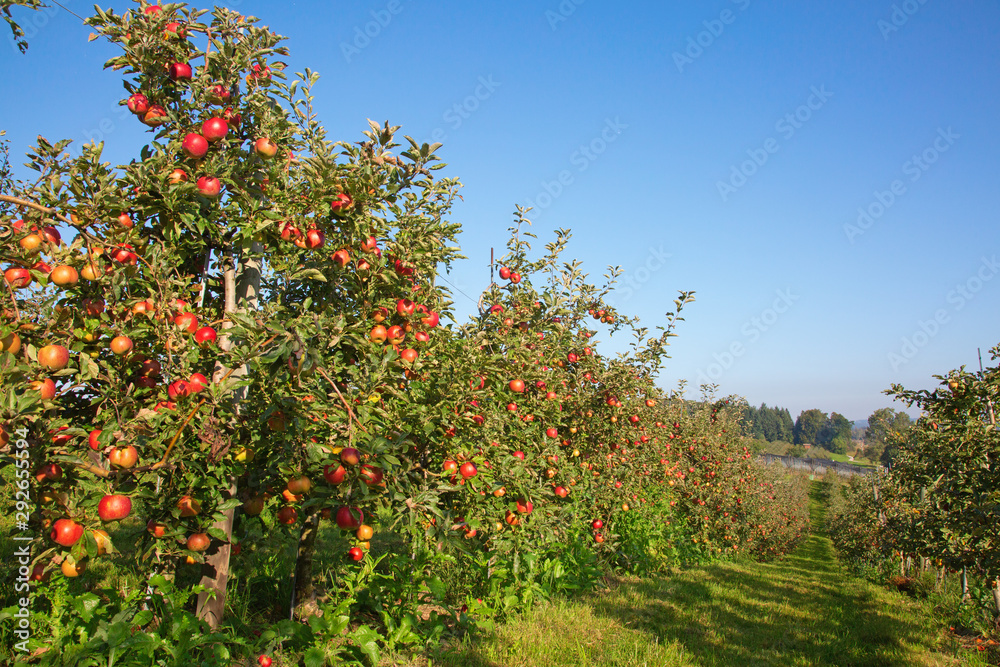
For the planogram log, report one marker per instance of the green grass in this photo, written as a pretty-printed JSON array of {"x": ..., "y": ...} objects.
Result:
[
  {"x": 842, "y": 458},
  {"x": 803, "y": 610}
]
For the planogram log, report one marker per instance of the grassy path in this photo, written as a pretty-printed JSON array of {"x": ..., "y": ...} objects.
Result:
[{"x": 804, "y": 610}]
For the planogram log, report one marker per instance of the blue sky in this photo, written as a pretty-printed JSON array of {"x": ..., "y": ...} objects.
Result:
[{"x": 727, "y": 148}]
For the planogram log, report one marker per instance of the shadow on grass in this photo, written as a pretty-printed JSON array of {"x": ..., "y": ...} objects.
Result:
[{"x": 804, "y": 610}]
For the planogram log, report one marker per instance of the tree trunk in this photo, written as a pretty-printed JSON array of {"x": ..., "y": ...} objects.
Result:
[
  {"x": 239, "y": 296},
  {"x": 965, "y": 583},
  {"x": 303, "y": 596},
  {"x": 996, "y": 594}
]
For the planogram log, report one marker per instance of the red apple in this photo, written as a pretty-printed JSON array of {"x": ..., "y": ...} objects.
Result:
[
  {"x": 205, "y": 336},
  {"x": 349, "y": 518},
  {"x": 524, "y": 506},
  {"x": 198, "y": 542},
  {"x": 121, "y": 345},
  {"x": 516, "y": 386},
  {"x": 197, "y": 382},
  {"x": 195, "y": 146},
  {"x": 372, "y": 475},
  {"x": 341, "y": 203},
  {"x": 53, "y": 357},
  {"x": 350, "y": 456},
  {"x": 124, "y": 457},
  {"x": 187, "y": 322},
  {"x": 468, "y": 470},
  {"x": 504, "y": 273},
  {"x": 93, "y": 439},
  {"x": 66, "y": 532},
  {"x": 189, "y": 506},
  {"x": 177, "y": 176},
  {"x": 209, "y": 186},
  {"x": 334, "y": 473},
  {"x": 214, "y": 129},
  {"x": 265, "y": 148},
  {"x": 114, "y": 508},
  {"x": 138, "y": 104},
  {"x": 179, "y": 71},
  {"x": 17, "y": 277},
  {"x": 355, "y": 554}
]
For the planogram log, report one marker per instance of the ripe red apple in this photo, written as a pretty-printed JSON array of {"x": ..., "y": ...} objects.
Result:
[
  {"x": 156, "y": 529},
  {"x": 468, "y": 470},
  {"x": 197, "y": 382},
  {"x": 121, "y": 345},
  {"x": 198, "y": 542},
  {"x": 152, "y": 10},
  {"x": 552, "y": 432},
  {"x": 205, "y": 336},
  {"x": 50, "y": 472},
  {"x": 355, "y": 554},
  {"x": 189, "y": 506},
  {"x": 195, "y": 146},
  {"x": 288, "y": 515},
  {"x": 17, "y": 277},
  {"x": 46, "y": 388},
  {"x": 395, "y": 334},
  {"x": 93, "y": 441},
  {"x": 155, "y": 116},
  {"x": 341, "y": 203},
  {"x": 178, "y": 389},
  {"x": 209, "y": 186},
  {"x": 138, "y": 104},
  {"x": 334, "y": 473},
  {"x": 124, "y": 457},
  {"x": 515, "y": 277},
  {"x": 409, "y": 355},
  {"x": 179, "y": 71},
  {"x": 66, "y": 532},
  {"x": 54, "y": 357},
  {"x": 114, "y": 507},
  {"x": 372, "y": 475},
  {"x": 518, "y": 455},
  {"x": 341, "y": 258},
  {"x": 431, "y": 319},
  {"x": 349, "y": 518},
  {"x": 149, "y": 367},
  {"x": 524, "y": 506},
  {"x": 299, "y": 485},
  {"x": 177, "y": 176},
  {"x": 187, "y": 322},
  {"x": 264, "y": 661},
  {"x": 562, "y": 491},
  {"x": 314, "y": 239},
  {"x": 405, "y": 307},
  {"x": 597, "y": 524},
  {"x": 516, "y": 386},
  {"x": 214, "y": 129},
  {"x": 422, "y": 336},
  {"x": 350, "y": 456},
  {"x": 124, "y": 220},
  {"x": 218, "y": 94},
  {"x": 378, "y": 334},
  {"x": 504, "y": 273},
  {"x": 265, "y": 148}
]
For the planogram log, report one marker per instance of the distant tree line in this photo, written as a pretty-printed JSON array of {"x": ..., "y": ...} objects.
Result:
[{"x": 834, "y": 432}]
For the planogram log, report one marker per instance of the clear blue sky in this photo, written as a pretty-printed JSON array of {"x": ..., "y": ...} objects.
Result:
[{"x": 649, "y": 114}]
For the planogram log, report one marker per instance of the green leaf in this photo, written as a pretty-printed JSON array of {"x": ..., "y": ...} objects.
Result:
[
  {"x": 86, "y": 605},
  {"x": 314, "y": 657},
  {"x": 367, "y": 640}
]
